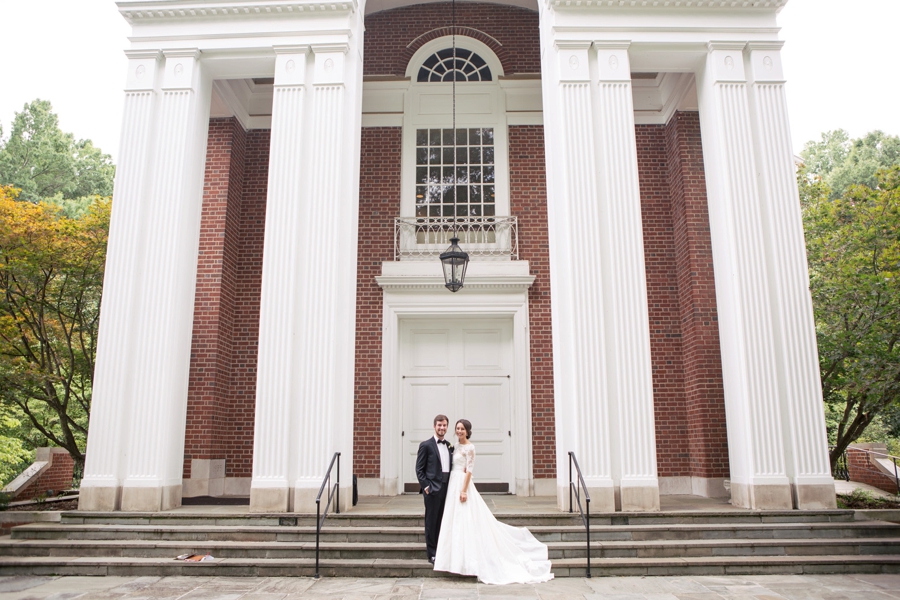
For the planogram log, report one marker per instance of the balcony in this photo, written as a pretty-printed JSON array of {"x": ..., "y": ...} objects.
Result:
[{"x": 483, "y": 238}]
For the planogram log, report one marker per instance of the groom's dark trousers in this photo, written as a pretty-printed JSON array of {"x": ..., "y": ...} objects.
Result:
[{"x": 431, "y": 476}]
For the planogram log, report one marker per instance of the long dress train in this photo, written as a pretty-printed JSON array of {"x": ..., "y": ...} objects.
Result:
[{"x": 473, "y": 542}]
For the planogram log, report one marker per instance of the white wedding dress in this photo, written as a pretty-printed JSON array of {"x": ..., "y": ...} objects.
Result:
[{"x": 473, "y": 542}]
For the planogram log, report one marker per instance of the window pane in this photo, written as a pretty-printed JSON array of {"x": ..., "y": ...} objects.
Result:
[
  {"x": 422, "y": 210},
  {"x": 434, "y": 210},
  {"x": 448, "y": 137},
  {"x": 434, "y": 175},
  {"x": 434, "y": 156},
  {"x": 475, "y": 174},
  {"x": 421, "y": 137},
  {"x": 488, "y": 155},
  {"x": 421, "y": 156},
  {"x": 488, "y": 193},
  {"x": 448, "y": 156},
  {"x": 447, "y": 175},
  {"x": 487, "y": 136},
  {"x": 462, "y": 175},
  {"x": 488, "y": 172},
  {"x": 420, "y": 194},
  {"x": 448, "y": 210},
  {"x": 462, "y": 155},
  {"x": 488, "y": 210},
  {"x": 461, "y": 137},
  {"x": 462, "y": 193},
  {"x": 475, "y": 210},
  {"x": 474, "y": 156},
  {"x": 474, "y": 136},
  {"x": 421, "y": 174},
  {"x": 434, "y": 137},
  {"x": 475, "y": 194}
]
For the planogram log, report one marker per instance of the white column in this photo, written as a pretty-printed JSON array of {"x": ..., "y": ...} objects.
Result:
[
  {"x": 743, "y": 287},
  {"x": 114, "y": 370},
  {"x": 579, "y": 352},
  {"x": 282, "y": 279},
  {"x": 155, "y": 443},
  {"x": 621, "y": 241},
  {"x": 304, "y": 403},
  {"x": 323, "y": 416},
  {"x": 797, "y": 358}
]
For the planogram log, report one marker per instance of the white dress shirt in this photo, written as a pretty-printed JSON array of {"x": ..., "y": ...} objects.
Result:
[{"x": 444, "y": 453}]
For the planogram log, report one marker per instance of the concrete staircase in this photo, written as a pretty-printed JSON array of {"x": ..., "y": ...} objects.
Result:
[{"x": 372, "y": 545}]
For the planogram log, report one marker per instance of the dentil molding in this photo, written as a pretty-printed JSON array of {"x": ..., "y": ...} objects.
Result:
[
  {"x": 166, "y": 10},
  {"x": 669, "y": 4}
]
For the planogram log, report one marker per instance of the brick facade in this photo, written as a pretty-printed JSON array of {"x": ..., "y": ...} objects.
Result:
[
  {"x": 862, "y": 470},
  {"x": 393, "y": 36},
  {"x": 55, "y": 478},
  {"x": 528, "y": 202},
  {"x": 379, "y": 203},
  {"x": 222, "y": 384},
  {"x": 687, "y": 379}
]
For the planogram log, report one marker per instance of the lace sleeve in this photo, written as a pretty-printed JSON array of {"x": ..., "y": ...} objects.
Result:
[{"x": 470, "y": 458}]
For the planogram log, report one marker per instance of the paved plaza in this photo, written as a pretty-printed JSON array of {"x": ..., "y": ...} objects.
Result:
[{"x": 762, "y": 587}]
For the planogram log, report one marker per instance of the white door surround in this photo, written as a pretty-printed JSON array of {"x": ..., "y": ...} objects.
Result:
[{"x": 414, "y": 290}]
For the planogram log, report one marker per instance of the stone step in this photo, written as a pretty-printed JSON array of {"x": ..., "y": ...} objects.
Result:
[
  {"x": 815, "y": 530},
  {"x": 382, "y": 567},
  {"x": 407, "y": 551},
  {"x": 351, "y": 519}
]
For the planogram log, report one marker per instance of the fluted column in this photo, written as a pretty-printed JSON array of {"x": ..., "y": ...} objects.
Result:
[
  {"x": 324, "y": 405},
  {"x": 304, "y": 402},
  {"x": 797, "y": 358},
  {"x": 155, "y": 427},
  {"x": 579, "y": 316},
  {"x": 743, "y": 285},
  {"x": 282, "y": 279},
  {"x": 114, "y": 372},
  {"x": 622, "y": 249}
]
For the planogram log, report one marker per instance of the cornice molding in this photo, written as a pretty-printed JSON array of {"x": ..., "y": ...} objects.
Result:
[
  {"x": 136, "y": 11},
  {"x": 762, "y": 5}
]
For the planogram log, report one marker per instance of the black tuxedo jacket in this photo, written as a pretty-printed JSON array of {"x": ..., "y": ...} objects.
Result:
[{"x": 428, "y": 466}]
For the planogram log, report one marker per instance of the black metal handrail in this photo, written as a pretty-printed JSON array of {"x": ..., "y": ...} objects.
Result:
[
  {"x": 841, "y": 468},
  {"x": 586, "y": 513},
  {"x": 333, "y": 492}
]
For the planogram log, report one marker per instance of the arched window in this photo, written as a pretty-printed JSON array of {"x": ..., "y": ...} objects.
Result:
[{"x": 441, "y": 66}]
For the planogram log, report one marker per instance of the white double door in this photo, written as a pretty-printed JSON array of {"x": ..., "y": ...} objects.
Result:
[{"x": 461, "y": 368}]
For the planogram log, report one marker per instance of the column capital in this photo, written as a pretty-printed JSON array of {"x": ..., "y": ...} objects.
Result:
[
  {"x": 573, "y": 61},
  {"x": 726, "y": 61},
  {"x": 181, "y": 68},
  {"x": 329, "y": 63},
  {"x": 290, "y": 65},
  {"x": 143, "y": 67},
  {"x": 765, "y": 62},
  {"x": 613, "y": 60}
]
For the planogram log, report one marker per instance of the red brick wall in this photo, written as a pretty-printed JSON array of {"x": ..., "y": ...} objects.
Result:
[
  {"x": 379, "y": 203},
  {"x": 704, "y": 392},
  {"x": 863, "y": 471},
  {"x": 672, "y": 428},
  {"x": 393, "y": 36},
  {"x": 528, "y": 202},
  {"x": 57, "y": 477},
  {"x": 221, "y": 389}
]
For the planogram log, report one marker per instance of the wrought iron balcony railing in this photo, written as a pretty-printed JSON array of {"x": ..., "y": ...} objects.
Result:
[{"x": 483, "y": 238}]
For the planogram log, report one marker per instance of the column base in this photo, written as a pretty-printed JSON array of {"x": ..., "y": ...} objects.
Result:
[
  {"x": 207, "y": 478},
  {"x": 762, "y": 496},
  {"x": 636, "y": 498},
  {"x": 150, "y": 499},
  {"x": 269, "y": 500},
  {"x": 815, "y": 497},
  {"x": 603, "y": 499},
  {"x": 104, "y": 499},
  {"x": 708, "y": 487}
]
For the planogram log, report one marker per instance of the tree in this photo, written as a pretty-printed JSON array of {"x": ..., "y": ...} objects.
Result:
[
  {"x": 51, "y": 275},
  {"x": 853, "y": 248},
  {"x": 842, "y": 162},
  {"x": 43, "y": 161}
]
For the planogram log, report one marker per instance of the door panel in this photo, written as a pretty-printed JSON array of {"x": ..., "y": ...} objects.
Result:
[{"x": 485, "y": 402}]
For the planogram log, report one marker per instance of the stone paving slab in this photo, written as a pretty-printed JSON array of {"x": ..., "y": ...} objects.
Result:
[{"x": 759, "y": 587}]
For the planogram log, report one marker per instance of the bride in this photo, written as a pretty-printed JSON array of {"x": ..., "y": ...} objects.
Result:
[{"x": 472, "y": 541}]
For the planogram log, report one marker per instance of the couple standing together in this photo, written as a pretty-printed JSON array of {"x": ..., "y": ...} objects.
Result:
[{"x": 461, "y": 534}]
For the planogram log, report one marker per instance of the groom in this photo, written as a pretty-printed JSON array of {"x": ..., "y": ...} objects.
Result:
[{"x": 433, "y": 472}]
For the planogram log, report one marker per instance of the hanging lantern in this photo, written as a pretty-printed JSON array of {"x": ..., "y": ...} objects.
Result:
[{"x": 454, "y": 261}]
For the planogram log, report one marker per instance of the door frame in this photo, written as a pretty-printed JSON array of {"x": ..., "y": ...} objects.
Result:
[{"x": 404, "y": 299}]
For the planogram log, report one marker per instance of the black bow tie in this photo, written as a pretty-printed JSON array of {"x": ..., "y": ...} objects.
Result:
[{"x": 443, "y": 442}]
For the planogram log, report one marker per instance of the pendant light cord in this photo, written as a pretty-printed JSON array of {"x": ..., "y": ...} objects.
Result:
[{"x": 454, "y": 72}]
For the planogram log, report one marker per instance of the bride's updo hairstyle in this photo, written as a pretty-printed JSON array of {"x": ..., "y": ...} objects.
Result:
[{"x": 468, "y": 426}]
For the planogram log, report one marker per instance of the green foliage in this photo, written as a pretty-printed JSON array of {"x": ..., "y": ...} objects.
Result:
[
  {"x": 841, "y": 162},
  {"x": 14, "y": 455},
  {"x": 853, "y": 248},
  {"x": 43, "y": 161},
  {"x": 51, "y": 275}
]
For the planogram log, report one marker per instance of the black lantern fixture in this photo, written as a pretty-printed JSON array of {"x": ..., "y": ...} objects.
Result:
[{"x": 453, "y": 260}]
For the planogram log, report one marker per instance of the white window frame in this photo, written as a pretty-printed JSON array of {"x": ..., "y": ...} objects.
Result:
[{"x": 478, "y": 104}]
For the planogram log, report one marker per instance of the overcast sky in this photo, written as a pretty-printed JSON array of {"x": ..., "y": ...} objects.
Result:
[{"x": 841, "y": 62}]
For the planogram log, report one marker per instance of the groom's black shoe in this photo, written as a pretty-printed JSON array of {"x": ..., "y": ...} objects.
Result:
[{"x": 431, "y": 559}]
